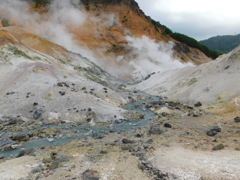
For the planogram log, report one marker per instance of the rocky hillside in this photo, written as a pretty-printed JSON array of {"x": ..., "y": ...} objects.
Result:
[{"x": 104, "y": 28}]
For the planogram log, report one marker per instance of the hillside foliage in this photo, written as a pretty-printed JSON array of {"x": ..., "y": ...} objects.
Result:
[
  {"x": 187, "y": 40},
  {"x": 224, "y": 43}
]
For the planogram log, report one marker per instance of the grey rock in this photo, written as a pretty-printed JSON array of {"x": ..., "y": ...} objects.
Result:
[
  {"x": 5, "y": 140},
  {"x": 21, "y": 153},
  {"x": 211, "y": 133},
  {"x": 62, "y": 93},
  {"x": 37, "y": 114},
  {"x": 126, "y": 141},
  {"x": 36, "y": 170},
  {"x": 155, "y": 130},
  {"x": 90, "y": 175},
  {"x": 198, "y": 104},
  {"x": 20, "y": 137},
  {"x": 218, "y": 147},
  {"x": 61, "y": 157},
  {"x": 237, "y": 119},
  {"x": 216, "y": 128}
]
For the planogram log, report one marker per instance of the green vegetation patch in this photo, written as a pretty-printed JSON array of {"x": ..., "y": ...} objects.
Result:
[
  {"x": 192, "y": 81},
  {"x": 186, "y": 40}
]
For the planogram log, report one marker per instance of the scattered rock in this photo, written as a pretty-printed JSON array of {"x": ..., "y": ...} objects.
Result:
[
  {"x": 237, "y": 119},
  {"x": 36, "y": 170},
  {"x": 21, "y": 153},
  {"x": 155, "y": 130},
  {"x": 47, "y": 159},
  {"x": 37, "y": 114},
  {"x": 62, "y": 93},
  {"x": 90, "y": 175},
  {"x": 211, "y": 133},
  {"x": 5, "y": 141},
  {"x": 61, "y": 157},
  {"x": 216, "y": 128},
  {"x": 164, "y": 114},
  {"x": 35, "y": 104},
  {"x": 198, "y": 104},
  {"x": 218, "y": 147},
  {"x": 167, "y": 125},
  {"x": 150, "y": 141},
  {"x": 126, "y": 141},
  {"x": 19, "y": 137}
]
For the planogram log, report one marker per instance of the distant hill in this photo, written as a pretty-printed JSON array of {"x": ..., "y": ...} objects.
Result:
[{"x": 223, "y": 44}]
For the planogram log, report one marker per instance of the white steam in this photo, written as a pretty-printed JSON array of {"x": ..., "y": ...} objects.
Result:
[
  {"x": 148, "y": 56},
  {"x": 54, "y": 25},
  {"x": 144, "y": 55}
]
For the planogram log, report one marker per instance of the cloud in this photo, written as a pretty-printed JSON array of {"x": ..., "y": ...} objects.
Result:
[{"x": 198, "y": 19}]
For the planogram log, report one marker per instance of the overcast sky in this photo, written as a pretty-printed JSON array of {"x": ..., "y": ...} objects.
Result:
[{"x": 198, "y": 19}]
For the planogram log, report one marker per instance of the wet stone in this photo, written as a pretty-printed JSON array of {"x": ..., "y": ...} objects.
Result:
[
  {"x": 5, "y": 140},
  {"x": 21, "y": 153},
  {"x": 20, "y": 137}
]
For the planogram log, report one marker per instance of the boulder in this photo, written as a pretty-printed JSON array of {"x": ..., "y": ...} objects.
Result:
[
  {"x": 90, "y": 175},
  {"x": 155, "y": 130},
  {"x": 237, "y": 119}
]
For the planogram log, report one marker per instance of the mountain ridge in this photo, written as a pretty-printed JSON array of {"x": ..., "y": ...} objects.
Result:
[{"x": 224, "y": 43}]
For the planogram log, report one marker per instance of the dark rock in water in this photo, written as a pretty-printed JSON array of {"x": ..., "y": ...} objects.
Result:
[
  {"x": 155, "y": 130},
  {"x": 216, "y": 128},
  {"x": 1, "y": 156},
  {"x": 218, "y": 147},
  {"x": 90, "y": 175},
  {"x": 161, "y": 103},
  {"x": 198, "y": 104},
  {"x": 211, "y": 133},
  {"x": 37, "y": 113},
  {"x": 237, "y": 119},
  {"x": 167, "y": 125},
  {"x": 21, "y": 153},
  {"x": 5, "y": 141},
  {"x": 60, "y": 157},
  {"x": 20, "y": 137}
]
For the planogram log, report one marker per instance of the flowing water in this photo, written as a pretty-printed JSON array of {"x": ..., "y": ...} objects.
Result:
[{"x": 87, "y": 131}]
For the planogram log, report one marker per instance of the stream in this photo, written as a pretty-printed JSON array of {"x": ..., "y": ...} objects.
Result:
[{"x": 86, "y": 131}]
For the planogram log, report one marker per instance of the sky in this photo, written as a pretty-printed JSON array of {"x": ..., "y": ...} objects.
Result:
[{"x": 198, "y": 19}]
